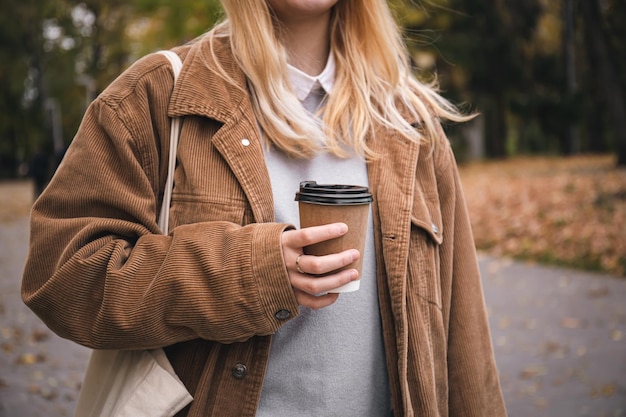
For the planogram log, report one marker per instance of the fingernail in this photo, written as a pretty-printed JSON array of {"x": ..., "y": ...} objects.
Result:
[{"x": 342, "y": 227}]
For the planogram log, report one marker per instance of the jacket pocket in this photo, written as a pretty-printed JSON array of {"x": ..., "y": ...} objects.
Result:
[
  {"x": 188, "y": 209},
  {"x": 424, "y": 278}
]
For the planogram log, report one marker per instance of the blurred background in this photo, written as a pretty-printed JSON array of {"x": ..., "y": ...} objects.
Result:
[
  {"x": 543, "y": 168},
  {"x": 546, "y": 76}
]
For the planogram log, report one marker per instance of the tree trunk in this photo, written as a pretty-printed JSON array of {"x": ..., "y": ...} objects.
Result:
[
  {"x": 600, "y": 54},
  {"x": 495, "y": 126},
  {"x": 572, "y": 137}
]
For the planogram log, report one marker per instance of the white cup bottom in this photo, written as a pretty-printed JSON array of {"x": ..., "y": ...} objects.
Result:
[{"x": 349, "y": 287}]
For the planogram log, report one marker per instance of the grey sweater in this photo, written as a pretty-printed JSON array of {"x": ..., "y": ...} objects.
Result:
[{"x": 328, "y": 362}]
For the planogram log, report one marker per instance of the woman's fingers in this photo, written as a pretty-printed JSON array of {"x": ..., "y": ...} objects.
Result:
[
  {"x": 293, "y": 242},
  {"x": 315, "y": 302},
  {"x": 313, "y": 276},
  {"x": 321, "y": 265},
  {"x": 320, "y": 285},
  {"x": 310, "y": 235}
]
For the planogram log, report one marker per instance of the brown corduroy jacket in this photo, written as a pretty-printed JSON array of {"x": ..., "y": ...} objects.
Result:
[{"x": 215, "y": 289}]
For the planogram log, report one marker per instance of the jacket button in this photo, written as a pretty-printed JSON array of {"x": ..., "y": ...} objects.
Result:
[
  {"x": 239, "y": 371},
  {"x": 282, "y": 314},
  {"x": 435, "y": 228},
  {"x": 245, "y": 142}
]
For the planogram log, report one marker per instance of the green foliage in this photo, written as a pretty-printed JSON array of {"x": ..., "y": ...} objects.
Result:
[
  {"x": 19, "y": 55},
  {"x": 59, "y": 54},
  {"x": 171, "y": 23},
  {"x": 504, "y": 58}
]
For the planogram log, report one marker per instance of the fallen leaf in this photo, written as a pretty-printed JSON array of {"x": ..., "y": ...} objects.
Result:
[
  {"x": 533, "y": 371},
  {"x": 606, "y": 391},
  {"x": 7, "y": 333},
  {"x": 598, "y": 292},
  {"x": 556, "y": 349},
  {"x": 504, "y": 322},
  {"x": 571, "y": 323},
  {"x": 39, "y": 336},
  {"x": 30, "y": 359},
  {"x": 530, "y": 324},
  {"x": 541, "y": 403},
  {"x": 48, "y": 393},
  {"x": 27, "y": 359}
]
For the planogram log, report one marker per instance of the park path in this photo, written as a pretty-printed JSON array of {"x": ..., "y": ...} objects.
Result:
[{"x": 559, "y": 337}]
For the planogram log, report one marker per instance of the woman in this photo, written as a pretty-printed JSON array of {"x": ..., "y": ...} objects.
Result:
[{"x": 281, "y": 91}]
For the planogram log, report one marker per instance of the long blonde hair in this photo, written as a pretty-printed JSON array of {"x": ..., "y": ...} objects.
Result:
[{"x": 373, "y": 80}]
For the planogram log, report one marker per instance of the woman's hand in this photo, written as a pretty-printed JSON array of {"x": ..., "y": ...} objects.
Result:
[{"x": 312, "y": 291}]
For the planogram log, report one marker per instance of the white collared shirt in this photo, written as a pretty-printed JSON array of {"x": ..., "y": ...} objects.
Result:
[{"x": 303, "y": 83}]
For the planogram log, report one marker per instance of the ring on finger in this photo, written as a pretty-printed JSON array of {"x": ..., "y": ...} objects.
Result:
[{"x": 298, "y": 268}]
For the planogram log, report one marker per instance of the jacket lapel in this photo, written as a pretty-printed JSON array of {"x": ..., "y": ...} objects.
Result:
[
  {"x": 202, "y": 91},
  {"x": 392, "y": 180},
  {"x": 239, "y": 142}
]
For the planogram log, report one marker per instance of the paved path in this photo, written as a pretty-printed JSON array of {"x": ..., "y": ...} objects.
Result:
[
  {"x": 560, "y": 339},
  {"x": 559, "y": 335}
]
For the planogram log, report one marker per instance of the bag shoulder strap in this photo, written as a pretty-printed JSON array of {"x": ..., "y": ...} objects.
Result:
[
  {"x": 174, "y": 59},
  {"x": 177, "y": 65}
]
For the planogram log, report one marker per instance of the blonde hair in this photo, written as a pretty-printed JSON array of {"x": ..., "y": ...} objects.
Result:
[{"x": 373, "y": 80}]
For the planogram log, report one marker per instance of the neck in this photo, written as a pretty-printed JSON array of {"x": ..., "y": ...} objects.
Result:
[{"x": 308, "y": 44}]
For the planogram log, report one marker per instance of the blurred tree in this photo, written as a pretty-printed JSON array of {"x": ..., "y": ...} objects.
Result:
[
  {"x": 615, "y": 18},
  {"x": 526, "y": 67},
  {"x": 482, "y": 49},
  {"x": 572, "y": 137},
  {"x": 59, "y": 54},
  {"x": 508, "y": 58},
  {"x": 166, "y": 24},
  {"x": 23, "y": 89},
  {"x": 604, "y": 31}
]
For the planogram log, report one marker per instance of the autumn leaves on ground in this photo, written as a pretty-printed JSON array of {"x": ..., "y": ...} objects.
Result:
[{"x": 564, "y": 211}]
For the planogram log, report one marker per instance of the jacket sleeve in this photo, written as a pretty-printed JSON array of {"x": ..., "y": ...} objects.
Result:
[
  {"x": 100, "y": 272},
  {"x": 474, "y": 387}
]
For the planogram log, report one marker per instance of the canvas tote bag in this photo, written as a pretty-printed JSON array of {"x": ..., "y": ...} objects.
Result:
[{"x": 137, "y": 383}]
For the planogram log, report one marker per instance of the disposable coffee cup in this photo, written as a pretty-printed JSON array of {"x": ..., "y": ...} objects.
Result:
[{"x": 321, "y": 204}]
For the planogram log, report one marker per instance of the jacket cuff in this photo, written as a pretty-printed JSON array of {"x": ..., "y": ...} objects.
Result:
[{"x": 275, "y": 291}]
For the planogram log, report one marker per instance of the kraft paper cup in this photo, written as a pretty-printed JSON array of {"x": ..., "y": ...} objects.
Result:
[{"x": 321, "y": 204}]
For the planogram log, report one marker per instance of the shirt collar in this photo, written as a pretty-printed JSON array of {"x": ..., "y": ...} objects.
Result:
[{"x": 303, "y": 83}]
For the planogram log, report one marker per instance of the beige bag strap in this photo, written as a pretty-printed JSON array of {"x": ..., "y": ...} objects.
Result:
[{"x": 176, "y": 124}]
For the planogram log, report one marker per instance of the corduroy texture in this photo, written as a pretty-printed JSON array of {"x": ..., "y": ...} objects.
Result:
[{"x": 99, "y": 272}]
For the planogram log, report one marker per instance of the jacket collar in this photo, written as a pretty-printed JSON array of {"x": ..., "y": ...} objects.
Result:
[{"x": 201, "y": 90}]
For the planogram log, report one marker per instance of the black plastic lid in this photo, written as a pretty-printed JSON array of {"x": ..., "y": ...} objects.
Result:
[{"x": 333, "y": 194}]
